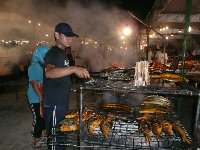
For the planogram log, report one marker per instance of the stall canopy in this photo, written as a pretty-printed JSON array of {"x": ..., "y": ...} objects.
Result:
[{"x": 167, "y": 17}]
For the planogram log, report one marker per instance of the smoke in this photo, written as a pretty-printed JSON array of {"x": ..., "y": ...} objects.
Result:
[
  {"x": 93, "y": 22},
  {"x": 130, "y": 99}
]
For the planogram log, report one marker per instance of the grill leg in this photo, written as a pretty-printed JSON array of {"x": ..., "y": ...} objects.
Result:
[{"x": 53, "y": 129}]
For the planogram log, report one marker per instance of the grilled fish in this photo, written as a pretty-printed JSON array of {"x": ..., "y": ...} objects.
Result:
[
  {"x": 68, "y": 127},
  {"x": 156, "y": 98},
  {"x": 173, "y": 77},
  {"x": 166, "y": 128},
  {"x": 146, "y": 130},
  {"x": 157, "y": 129},
  {"x": 154, "y": 106},
  {"x": 180, "y": 131},
  {"x": 116, "y": 106},
  {"x": 71, "y": 115},
  {"x": 93, "y": 123},
  {"x": 106, "y": 125},
  {"x": 86, "y": 115},
  {"x": 152, "y": 111}
]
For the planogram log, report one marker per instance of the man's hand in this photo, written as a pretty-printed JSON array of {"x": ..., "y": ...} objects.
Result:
[{"x": 81, "y": 72}]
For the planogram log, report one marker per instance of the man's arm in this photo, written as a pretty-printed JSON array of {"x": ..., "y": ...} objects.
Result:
[{"x": 52, "y": 71}]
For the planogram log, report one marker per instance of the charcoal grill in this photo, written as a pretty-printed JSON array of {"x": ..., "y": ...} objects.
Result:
[{"x": 124, "y": 135}]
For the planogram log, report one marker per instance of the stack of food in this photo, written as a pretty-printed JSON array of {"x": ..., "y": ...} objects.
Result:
[
  {"x": 169, "y": 77},
  {"x": 154, "y": 117},
  {"x": 93, "y": 118}
]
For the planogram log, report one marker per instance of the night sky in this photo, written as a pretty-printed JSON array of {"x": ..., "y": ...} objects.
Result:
[{"x": 140, "y": 8}]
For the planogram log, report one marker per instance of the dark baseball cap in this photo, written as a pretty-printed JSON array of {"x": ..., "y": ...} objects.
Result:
[{"x": 65, "y": 29}]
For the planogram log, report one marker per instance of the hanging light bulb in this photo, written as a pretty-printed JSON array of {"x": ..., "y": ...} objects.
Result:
[{"x": 189, "y": 29}]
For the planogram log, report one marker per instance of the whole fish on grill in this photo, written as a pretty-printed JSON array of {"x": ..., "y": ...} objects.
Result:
[
  {"x": 155, "y": 99},
  {"x": 106, "y": 125},
  {"x": 143, "y": 118},
  {"x": 75, "y": 114},
  {"x": 86, "y": 116},
  {"x": 152, "y": 111},
  {"x": 146, "y": 130},
  {"x": 156, "y": 106},
  {"x": 173, "y": 77},
  {"x": 71, "y": 115},
  {"x": 157, "y": 129},
  {"x": 116, "y": 107},
  {"x": 67, "y": 127},
  {"x": 166, "y": 128},
  {"x": 178, "y": 129},
  {"x": 157, "y": 103},
  {"x": 93, "y": 123}
]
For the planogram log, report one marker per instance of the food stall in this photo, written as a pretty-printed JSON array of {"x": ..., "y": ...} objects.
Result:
[{"x": 135, "y": 125}]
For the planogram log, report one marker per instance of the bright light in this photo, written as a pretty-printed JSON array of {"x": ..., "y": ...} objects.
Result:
[
  {"x": 29, "y": 21},
  {"x": 46, "y": 35},
  {"x": 127, "y": 31},
  {"x": 166, "y": 37},
  {"x": 122, "y": 37},
  {"x": 189, "y": 29},
  {"x": 39, "y": 24}
]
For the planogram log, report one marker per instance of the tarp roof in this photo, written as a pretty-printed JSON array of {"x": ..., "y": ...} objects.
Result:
[{"x": 171, "y": 14}]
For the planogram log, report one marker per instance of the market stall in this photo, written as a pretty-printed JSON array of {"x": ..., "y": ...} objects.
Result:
[{"x": 135, "y": 125}]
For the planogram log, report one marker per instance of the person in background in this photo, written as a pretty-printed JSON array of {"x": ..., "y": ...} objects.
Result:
[
  {"x": 57, "y": 80},
  {"x": 161, "y": 56},
  {"x": 34, "y": 92},
  {"x": 150, "y": 55}
]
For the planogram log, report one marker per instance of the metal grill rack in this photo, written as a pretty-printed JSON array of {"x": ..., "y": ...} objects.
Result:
[{"x": 124, "y": 135}]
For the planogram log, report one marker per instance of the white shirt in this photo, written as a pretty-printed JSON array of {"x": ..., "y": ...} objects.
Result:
[
  {"x": 161, "y": 57},
  {"x": 150, "y": 54}
]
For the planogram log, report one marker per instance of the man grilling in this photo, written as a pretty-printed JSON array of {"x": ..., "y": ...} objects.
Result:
[{"x": 57, "y": 81}]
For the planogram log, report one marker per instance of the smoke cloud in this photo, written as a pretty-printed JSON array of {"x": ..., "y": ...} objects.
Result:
[{"x": 99, "y": 28}]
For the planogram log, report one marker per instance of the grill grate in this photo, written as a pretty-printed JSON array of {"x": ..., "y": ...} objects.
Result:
[
  {"x": 123, "y": 135},
  {"x": 124, "y": 87}
]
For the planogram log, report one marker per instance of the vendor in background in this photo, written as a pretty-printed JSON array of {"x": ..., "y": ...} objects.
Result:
[
  {"x": 161, "y": 56},
  {"x": 34, "y": 93},
  {"x": 150, "y": 55},
  {"x": 188, "y": 55}
]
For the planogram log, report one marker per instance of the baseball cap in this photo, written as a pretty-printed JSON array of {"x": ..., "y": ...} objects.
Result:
[{"x": 65, "y": 29}]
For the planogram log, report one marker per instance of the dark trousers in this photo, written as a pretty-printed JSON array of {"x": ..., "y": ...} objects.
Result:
[
  {"x": 60, "y": 112},
  {"x": 38, "y": 121}
]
